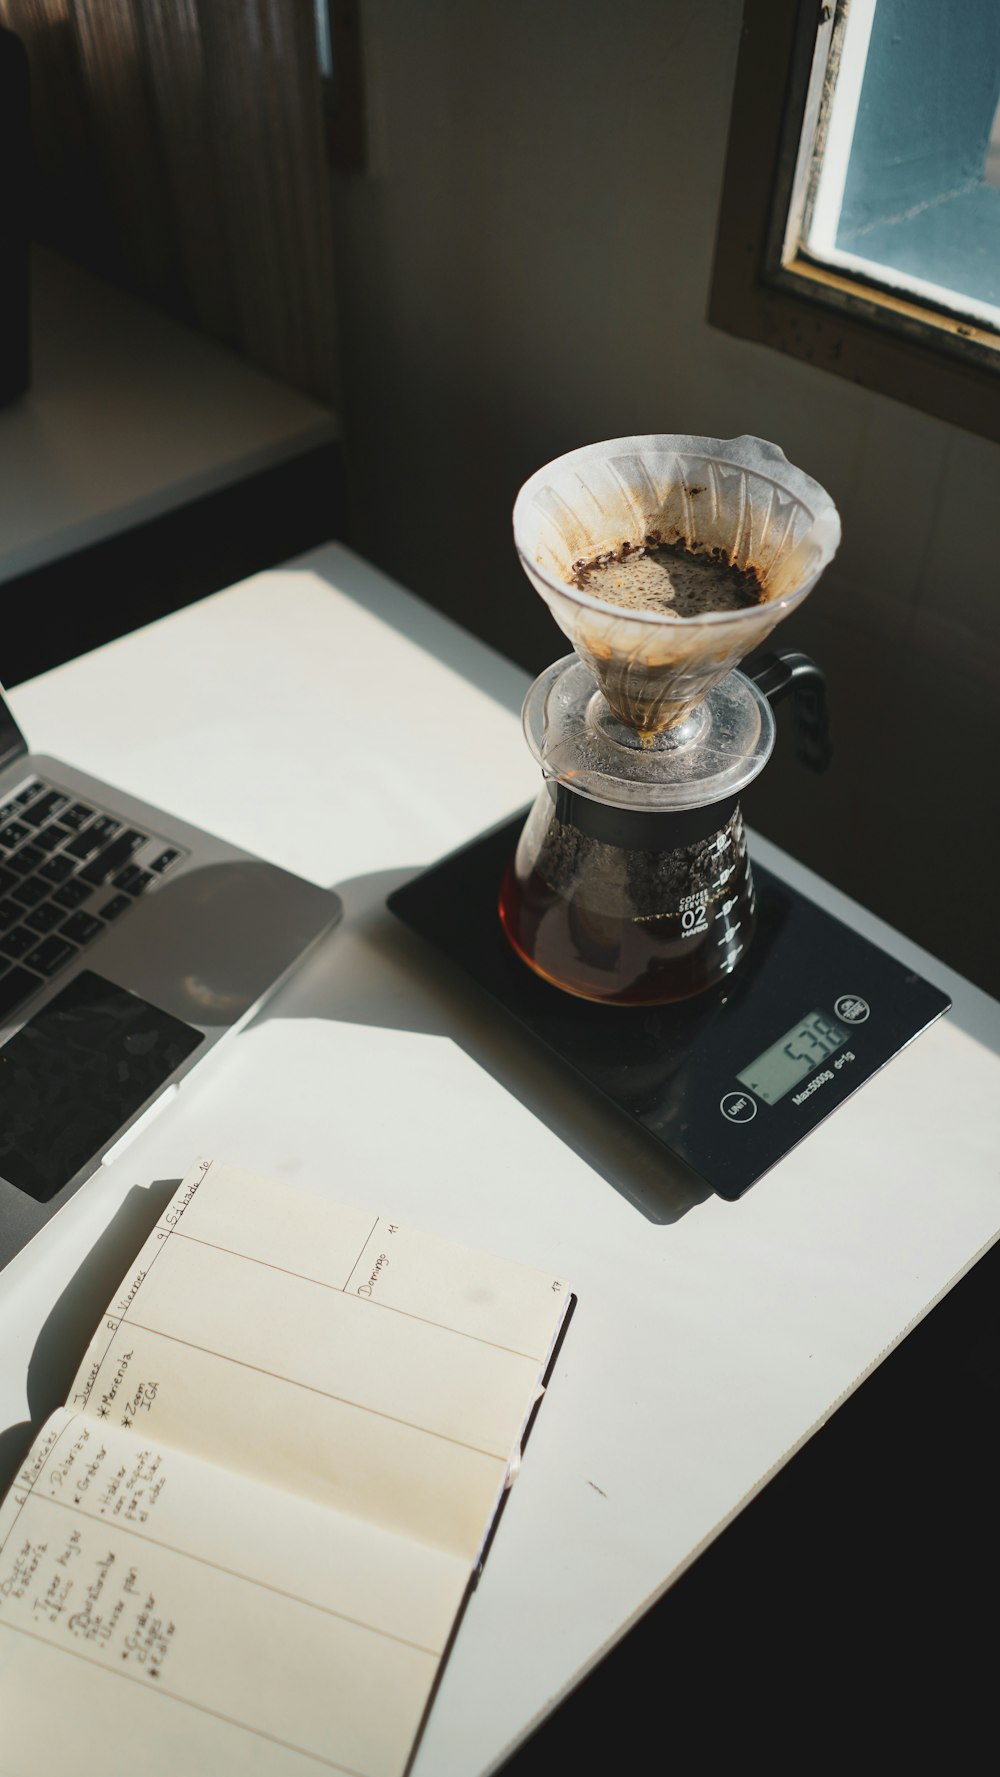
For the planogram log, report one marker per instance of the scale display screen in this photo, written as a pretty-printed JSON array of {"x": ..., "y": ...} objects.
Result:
[{"x": 793, "y": 1056}]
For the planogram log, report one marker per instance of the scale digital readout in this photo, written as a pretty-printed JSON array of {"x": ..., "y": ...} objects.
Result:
[
  {"x": 795, "y": 1055},
  {"x": 730, "y": 1080}
]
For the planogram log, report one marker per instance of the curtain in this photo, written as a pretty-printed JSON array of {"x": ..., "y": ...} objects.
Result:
[{"x": 180, "y": 152}]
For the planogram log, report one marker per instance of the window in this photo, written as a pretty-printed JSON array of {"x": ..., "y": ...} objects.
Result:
[{"x": 860, "y": 224}]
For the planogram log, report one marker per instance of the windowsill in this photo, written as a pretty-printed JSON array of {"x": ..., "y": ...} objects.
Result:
[{"x": 947, "y": 253}]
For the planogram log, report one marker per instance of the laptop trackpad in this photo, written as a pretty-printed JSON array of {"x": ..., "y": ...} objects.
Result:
[{"x": 75, "y": 1073}]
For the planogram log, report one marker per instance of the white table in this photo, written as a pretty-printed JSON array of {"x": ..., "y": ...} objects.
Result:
[{"x": 321, "y": 716}]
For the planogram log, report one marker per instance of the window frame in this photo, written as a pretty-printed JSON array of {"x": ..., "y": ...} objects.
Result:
[{"x": 932, "y": 360}]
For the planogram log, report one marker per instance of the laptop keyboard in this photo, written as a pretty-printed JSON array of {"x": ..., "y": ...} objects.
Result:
[{"x": 67, "y": 870}]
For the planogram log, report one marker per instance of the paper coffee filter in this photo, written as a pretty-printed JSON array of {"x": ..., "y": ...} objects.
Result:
[{"x": 737, "y": 495}]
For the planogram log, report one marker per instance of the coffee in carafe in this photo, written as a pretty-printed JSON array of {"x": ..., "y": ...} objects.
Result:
[{"x": 626, "y": 923}]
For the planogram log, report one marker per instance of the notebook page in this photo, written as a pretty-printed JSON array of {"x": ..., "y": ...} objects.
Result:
[
  {"x": 377, "y": 1370},
  {"x": 175, "y": 1617}
]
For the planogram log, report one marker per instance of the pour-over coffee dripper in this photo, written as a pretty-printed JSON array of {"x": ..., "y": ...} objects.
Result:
[{"x": 631, "y": 882}]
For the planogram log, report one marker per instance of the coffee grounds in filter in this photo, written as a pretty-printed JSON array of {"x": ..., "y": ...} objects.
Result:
[{"x": 668, "y": 579}]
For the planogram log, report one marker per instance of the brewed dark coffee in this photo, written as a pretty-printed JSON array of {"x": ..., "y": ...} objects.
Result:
[{"x": 621, "y": 925}]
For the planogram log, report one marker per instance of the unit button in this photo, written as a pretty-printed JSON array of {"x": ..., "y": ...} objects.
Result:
[
  {"x": 739, "y": 1107},
  {"x": 852, "y": 1008}
]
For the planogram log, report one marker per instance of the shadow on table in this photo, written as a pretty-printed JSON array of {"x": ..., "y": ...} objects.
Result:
[
  {"x": 374, "y": 971},
  {"x": 394, "y": 980},
  {"x": 77, "y": 1313}
]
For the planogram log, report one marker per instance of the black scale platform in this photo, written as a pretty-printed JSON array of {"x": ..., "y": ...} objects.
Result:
[{"x": 674, "y": 1069}]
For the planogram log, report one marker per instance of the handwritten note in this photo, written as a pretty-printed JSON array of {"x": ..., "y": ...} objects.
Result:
[{"x": 248, "y": 1535}]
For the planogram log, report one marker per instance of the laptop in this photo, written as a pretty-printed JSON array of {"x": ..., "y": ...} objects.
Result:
[{"x": 130, "y": 945}]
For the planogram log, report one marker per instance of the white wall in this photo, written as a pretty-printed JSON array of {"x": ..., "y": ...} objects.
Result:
[{"x": 525, "y": 267}]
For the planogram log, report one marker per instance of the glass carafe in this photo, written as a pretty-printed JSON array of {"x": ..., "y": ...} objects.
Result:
[
  {"x": 631, "y": 882},
  {"x": 633, "y": 910}
]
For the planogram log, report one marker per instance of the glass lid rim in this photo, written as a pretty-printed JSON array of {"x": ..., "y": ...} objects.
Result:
[
  {"x": 650, "y": 796},
  {"x": 682, "y": 804}
]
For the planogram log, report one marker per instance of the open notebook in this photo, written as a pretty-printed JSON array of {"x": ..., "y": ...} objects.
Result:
[{"x": 244, "y": 1543}]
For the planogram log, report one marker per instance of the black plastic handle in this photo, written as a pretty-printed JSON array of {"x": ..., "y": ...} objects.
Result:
[{"x": 779, "y": 671}]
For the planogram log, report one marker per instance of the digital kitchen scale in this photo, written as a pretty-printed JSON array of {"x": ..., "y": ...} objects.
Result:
[{"x": 730, "y": 1080}]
